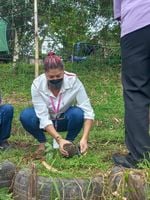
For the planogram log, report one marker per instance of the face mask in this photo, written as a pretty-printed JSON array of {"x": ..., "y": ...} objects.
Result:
[{"x": 55, "y": 84}]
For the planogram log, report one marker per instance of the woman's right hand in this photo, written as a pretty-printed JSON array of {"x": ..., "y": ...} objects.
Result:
[{"x": 61, "y": 149}]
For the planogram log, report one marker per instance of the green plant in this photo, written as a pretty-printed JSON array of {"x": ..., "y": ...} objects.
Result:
[
  {"x": 5, "y": 195},
  {"x": 49, "y": 151}
]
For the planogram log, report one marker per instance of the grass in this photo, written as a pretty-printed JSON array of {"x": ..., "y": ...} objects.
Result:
[
  {"x": 104, "y": 89},
  {"x": 4, "y": 194},
  {"x": 103, "y": 85}
]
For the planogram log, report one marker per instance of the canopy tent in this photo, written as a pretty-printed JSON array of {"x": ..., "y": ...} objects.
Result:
[{"x": 3, "y": 36}]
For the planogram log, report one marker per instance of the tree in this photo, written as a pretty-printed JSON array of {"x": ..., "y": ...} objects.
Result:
[
  {"x": 18, "y": 14},
  {"x": 63, "y": 22},
  {"x": 70, "y": 21}
]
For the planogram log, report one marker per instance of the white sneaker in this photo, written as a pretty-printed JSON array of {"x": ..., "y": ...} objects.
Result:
[{"x": 55, "y": 144}]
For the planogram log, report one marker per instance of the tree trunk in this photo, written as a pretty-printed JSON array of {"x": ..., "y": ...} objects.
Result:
[{"x": 16, "y": 49}]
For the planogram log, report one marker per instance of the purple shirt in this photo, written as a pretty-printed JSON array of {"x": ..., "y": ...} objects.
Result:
[{"x": 133, "y": 14}]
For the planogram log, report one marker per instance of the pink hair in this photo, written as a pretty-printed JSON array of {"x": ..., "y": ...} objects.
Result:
[{"x": 53, "y": 61}]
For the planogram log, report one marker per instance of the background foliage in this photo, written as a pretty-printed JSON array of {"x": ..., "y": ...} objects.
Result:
[{"x": 61, "y": 23}]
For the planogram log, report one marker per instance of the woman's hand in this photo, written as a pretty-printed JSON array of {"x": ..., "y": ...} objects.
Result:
[
  {"x": 83, "y": 146},
  {"x": 61, "y": 149}
]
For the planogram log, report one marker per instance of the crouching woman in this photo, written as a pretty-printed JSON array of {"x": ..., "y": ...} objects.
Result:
[{"x": 60, "y": 103}]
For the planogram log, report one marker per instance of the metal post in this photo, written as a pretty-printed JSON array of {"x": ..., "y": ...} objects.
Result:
[{"x": 36, "y": 39}]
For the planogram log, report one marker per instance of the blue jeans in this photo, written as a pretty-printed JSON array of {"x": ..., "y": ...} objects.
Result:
[
  {"x": 6, "y": 116},
  {"x": 70, "y": 121}
]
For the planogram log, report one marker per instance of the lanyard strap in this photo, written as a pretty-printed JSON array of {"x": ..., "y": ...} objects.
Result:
[{"x": 56, "y": 109}]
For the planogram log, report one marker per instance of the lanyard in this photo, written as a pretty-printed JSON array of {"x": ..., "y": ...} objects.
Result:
[{"x": 56, "y": 109}]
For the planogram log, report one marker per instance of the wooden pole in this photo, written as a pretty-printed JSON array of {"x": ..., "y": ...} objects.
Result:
[{"x": 36, "y": 39}]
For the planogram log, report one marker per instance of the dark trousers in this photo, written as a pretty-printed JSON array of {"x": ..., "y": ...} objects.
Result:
[{"x": 135, "y": 50}]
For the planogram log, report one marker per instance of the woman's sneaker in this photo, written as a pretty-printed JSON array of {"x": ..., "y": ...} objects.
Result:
[{"x": 55, "y": 144}]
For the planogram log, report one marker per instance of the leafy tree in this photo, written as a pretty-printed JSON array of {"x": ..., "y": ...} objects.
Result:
[
  {"x": 18, "y": 13},
  {"x": 64, "y": 22}
]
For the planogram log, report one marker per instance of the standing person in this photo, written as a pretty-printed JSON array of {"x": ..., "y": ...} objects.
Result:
[
  {"x": 6, "y": 116},
  {"x": 60, "y": 103},
  {"x": 134, "y": 17}
]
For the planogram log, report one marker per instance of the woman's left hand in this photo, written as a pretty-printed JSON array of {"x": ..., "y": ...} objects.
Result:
[{"x": 83, "y": 146}]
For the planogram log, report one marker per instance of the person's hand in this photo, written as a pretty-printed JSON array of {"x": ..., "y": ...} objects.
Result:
[
  {"x": 83, "y": 146},
  {"x": 61, "y": 149}
]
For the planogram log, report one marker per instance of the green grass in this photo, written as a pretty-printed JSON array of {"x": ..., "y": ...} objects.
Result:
[
  {"x": 103, "y": 86},
  {"x": 4, "y": 194}
]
